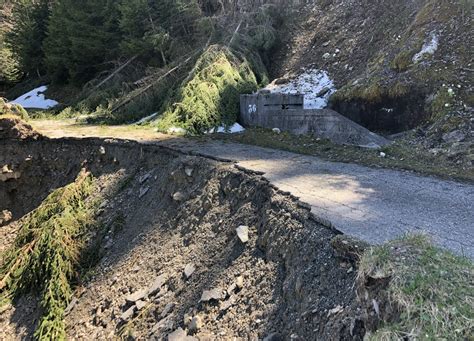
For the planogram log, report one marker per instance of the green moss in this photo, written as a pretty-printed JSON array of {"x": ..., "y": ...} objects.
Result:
[
  {"x": 431, "y": 288},
  {"x": 210, "y": 97},
  {"x": 46, "y": 252}
]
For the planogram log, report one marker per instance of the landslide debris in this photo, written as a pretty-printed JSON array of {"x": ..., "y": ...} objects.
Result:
[{"x": 168, "y": 267}]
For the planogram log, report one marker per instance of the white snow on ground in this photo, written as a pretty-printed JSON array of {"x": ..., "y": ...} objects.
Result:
[
  {"x": 35, "y": 99},
  {"x": 310, "y": 83},
  {"x": 429, "y": 48},
  {"x": 236, "y": 128}
]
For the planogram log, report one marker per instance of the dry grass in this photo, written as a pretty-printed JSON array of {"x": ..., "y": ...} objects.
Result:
[{"x": 432, "y": 288}]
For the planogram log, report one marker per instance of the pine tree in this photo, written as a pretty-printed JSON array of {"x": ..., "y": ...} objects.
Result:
[
  {"x": 25, "y": 39},
  {"x": 82, "y": 37}
]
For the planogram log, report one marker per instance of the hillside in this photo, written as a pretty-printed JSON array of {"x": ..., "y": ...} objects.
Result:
[{"x": 397, "y": 65}]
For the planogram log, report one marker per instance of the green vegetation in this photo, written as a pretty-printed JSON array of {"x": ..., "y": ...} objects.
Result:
[
  {"x": 12, "y": 110},
  {"x": 211, "y": 96},
  {"x": 431, "y": 288},
  {"x": 402, "y": 61},
  {"x": 47, "y": 251},
  {"x": 400, "y": 155}
]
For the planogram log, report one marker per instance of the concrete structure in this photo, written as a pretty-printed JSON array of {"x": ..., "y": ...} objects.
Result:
[{"x": 286, "y": 112}]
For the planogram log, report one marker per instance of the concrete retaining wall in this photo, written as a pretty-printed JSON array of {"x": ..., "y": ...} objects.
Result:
[{"x": 286, "y": 113}]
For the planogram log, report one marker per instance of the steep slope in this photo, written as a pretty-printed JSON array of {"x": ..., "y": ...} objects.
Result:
[{"x": 397, "y": 65}]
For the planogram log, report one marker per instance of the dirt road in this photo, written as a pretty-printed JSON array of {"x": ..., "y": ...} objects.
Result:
[{"x": 373, "y": 204}]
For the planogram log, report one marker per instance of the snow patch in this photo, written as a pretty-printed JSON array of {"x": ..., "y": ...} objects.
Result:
[
  {"x": 315, "y": 85},
  {"x": 429, "y": 48},
  {"x": 234, "y": 129},
  {"x": 35, "y": 99}
]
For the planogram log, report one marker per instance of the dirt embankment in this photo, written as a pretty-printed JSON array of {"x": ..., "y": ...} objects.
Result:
[{"x": 170, "y": 257}]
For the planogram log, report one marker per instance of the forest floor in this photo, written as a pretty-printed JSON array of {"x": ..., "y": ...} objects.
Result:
[{"x": 370, "y": 203}]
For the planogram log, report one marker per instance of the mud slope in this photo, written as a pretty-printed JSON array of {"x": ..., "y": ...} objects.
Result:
[{"x": 168, "y": 211}]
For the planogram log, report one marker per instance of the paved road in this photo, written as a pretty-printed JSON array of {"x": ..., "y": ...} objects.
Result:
[{"x": 373, "y": 204}]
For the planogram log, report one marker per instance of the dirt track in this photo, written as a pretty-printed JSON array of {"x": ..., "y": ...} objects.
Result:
[{"x": 373, "y": 204}]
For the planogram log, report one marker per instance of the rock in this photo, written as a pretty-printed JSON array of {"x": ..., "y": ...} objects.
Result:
[
  {"x": 128, "y": 314},
  {"x": 281, "y": 81},
  {"x": 454, "y": 136},
  {"x": 180, "y": 335},
  {"x": 189, "y": 270},
  {"x": 273, "y": 337},
  {"x": 178, "y": 196},
  {"x": 188, "y": 171},
  {"x": 276, "y": 130},
  {"x": 326, "y": 55},
  {"x": 168, "y": 308},
  {"x": 239, "y": 282},
  {"x": 383, "y": 155},
  {"x": 7, "y": 174},
  {"x": 176, "y": 131},
  {"x": 137, "y": 296},
  {"x": 102, "y": 150},
  {"x": 196, "y": 324},
  {"x": 71, "y": 306},
  {"x": 243, "y": 233},
  {"x": 227, "y": 304},
  {"x": 143, "y": 192},
  {"x": 157, "y": 284},
  {"x": 323, "y": 92},
  {"x": 140, "y": 304},
  {"x": 144, "y": 178},
  {"x": 335, "y": 311},
  {"x": 213, "y": 294},
  {"x": 5, "y": 217}
]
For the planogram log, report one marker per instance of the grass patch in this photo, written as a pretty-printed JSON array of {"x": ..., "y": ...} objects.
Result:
[
  {"x": 400, "y": 155},
  {"x": 432, "y": 289},
  {"x": 402, "y": 61},
  {"x": 46, "y": 253}
]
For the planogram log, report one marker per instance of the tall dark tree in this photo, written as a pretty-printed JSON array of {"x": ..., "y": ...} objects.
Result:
[
  {"x": 82, "y": 37},
  {"x": 25, "y": 39}
]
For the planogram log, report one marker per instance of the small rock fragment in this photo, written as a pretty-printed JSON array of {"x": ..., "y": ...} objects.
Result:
[
  {"x": 127, "y": 315},
  {"x": 335, "y": 311},
  {"x": 102, "y": 150},
  {"x": 189, "y": 171},
  {"x": 178, "y": 196},
  {"x": 137, "y": 296},
  {"x": 195, "y": 325},
  {"x": 273, "y": 337},
  {"x": 239, "y": 282},
  {"x": 143, "y": 192},
  {"x": 168, "y": 308},
  {"x": 157, "y": 284},
  {"x": 382, "y": 154},
  {"x": 276, "y": 130},
  {"x": 189, "y": 270},
  {"x": 180, "y": 335},
  {"x": 213, "y": 294},
  {"x": 5, "y": 217},
  {"x": 243, "y": 233},
  {"x": 140, "y": 304}
]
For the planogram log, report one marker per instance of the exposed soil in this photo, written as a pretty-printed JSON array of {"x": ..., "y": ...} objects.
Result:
[
  {"x": 166, "y": 211},
  {"x": 17, "y": 129}
]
